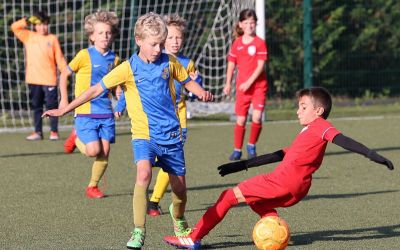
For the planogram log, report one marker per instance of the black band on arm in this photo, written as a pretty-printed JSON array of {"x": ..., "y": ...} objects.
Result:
[
  {"x": 265, "y": 159},
  {"x": 351, "y": 145}
]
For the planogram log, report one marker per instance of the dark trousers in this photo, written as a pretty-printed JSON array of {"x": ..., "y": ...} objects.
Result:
[{"x": 41, "y": 95}]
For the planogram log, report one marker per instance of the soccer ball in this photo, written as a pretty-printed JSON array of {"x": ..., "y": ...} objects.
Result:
[{"x": 271, "y": 233}]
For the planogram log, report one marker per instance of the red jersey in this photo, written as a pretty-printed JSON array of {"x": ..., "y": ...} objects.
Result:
[
  {"x": 304, "y": 157},
  {"x": 245, "y": 56}
]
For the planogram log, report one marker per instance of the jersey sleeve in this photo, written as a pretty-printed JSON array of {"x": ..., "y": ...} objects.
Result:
[
  {"x": 117, "y": 76},
  {"x": 20, "y": 31},
  {"x": 191, "y": 68},
  {"x": 233, "y": 52},
  {"x": 76, "y": 62},
  {"x": 179, "y": 73},
  {"x": 326, "y": 130},
  {"x": 262, "y": 52},
  {"x": 60, "y": 59},
  {"x": 117, "y": 61}
]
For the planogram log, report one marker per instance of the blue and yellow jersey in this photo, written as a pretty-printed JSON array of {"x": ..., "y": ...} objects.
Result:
[
  {"x": 90, "y": 67},
  {"x": 150, "y": 96}
]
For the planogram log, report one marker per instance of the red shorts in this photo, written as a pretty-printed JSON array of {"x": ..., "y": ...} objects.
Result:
[
  {"x": 255, "y": 95},
  {"x": 260, "y": 189}
]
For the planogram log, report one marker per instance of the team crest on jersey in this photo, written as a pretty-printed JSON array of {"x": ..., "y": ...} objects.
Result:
[
  {"x": 251, "y": 50},
  {"x": 165, "y": 73}
]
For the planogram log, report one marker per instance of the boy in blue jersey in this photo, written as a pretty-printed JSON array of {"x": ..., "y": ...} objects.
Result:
[
  {"x": 176, "y": 26},
  {"x": 147, "y": 79},
  {"x": 94, "y": 121}
]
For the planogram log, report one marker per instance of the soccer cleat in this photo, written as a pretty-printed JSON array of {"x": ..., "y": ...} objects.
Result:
[
  {"x": 182, "y": 242},
  {"x": 94, "y": 192},
  {"x": 137, "y": 239},
  {"x": 53, "y": 136},
  {"x": 181, "y": 227},
  {"x": 69, "y": 144},
  {"x": 154, "y": 209},
  {"x": 251, "y": 151},
  {"x": 35, "y": 136},
  {"x": 235, "y": 156}
]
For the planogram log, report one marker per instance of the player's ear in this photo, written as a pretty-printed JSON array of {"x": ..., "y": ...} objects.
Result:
[
  {"x": 320, "y": 111},
  {"x": 138, "y": 41}
]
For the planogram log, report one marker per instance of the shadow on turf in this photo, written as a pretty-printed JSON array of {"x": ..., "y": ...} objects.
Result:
[
  {"x": 346, "y": 235},
  {"x": 33, "y": 154},
  {"x": 301, "y": 239}
]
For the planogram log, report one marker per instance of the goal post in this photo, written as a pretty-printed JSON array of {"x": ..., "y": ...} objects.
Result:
[{"x": 208, "y": 39}]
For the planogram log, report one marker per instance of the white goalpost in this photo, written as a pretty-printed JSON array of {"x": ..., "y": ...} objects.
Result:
[{"x": 208, "y": 38}]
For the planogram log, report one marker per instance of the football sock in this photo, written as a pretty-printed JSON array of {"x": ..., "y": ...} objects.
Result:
[
  {"x": 238, "y": 135},
  {"x": 139, "y": 206},
  {"x": 214, "y": 214},
  {"x": 98, "y": 169},
  {"x": 255, "y": 132},
  {"x": 80, "y": 145},
  {"x": 160, "y": 187},
  {"x": 179, "y": 204}
]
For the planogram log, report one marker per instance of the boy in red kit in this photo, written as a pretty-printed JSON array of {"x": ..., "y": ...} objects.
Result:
[
  {"x": 291, "y": 179},
  {"x": 249, "y": 53}
]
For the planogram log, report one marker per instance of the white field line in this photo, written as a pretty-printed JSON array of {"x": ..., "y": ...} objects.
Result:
[{"x": 126, "y": 124}]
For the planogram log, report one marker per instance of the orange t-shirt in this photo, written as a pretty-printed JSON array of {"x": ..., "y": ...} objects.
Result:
[{"x": 42, "y": 55}]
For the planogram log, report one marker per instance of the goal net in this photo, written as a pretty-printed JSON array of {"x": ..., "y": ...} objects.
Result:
[{"x": 208, "y": 38}]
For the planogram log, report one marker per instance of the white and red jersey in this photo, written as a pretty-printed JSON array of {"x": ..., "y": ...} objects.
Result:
[{"x": 246, "y": 56}]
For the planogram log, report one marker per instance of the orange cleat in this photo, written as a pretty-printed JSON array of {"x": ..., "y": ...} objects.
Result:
[{"x": 69, "y": 144}]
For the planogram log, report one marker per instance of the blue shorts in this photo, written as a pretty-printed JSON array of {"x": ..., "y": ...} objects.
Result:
[
  {"x": 170, "y": 158},
  {"x": 93, "y": 129}
]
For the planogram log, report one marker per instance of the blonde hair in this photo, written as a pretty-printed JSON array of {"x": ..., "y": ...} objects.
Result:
[
  {"x": 101, "y": 16},
  {"x": 176, "y": 21},
  {"x": 151, "y": 24}
]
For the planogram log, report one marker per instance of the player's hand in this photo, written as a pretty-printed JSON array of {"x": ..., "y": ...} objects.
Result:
[
  {"x": 227, "y": 89},
  {"x": 232, "y": 167},
  {"x": 206, "y": 97},
  {"x": 34, "y": 20},
  {"x": 374, "y": 156},
  {"x": 53, "y": 112},
  {"x": 194, "y": 75},
  {"x": 117, "y": 114},
  {"x": 244, "y": 86}
]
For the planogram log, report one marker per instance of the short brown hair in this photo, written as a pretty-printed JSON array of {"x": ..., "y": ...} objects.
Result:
[{"x": 320, "y": 98}]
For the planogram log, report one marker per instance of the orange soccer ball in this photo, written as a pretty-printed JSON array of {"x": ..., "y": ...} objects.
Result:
[{"x": 271, "y": 233}]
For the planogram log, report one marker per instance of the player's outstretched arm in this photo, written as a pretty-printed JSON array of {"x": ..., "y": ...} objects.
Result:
[
  {"x": 87, "y": 95},
  {"x": 354, "y": 146},
  {"x": 196, "y": 89},
  {"x": 237, "y": 166}
]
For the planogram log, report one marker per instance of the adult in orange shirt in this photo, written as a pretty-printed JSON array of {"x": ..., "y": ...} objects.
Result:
[{"x": 42, "y": 56}]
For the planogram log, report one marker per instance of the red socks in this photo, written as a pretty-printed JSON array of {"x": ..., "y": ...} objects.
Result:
[
  {"x": 238, "y": 136},
  {"x": 214, "y": 215},
  {"x": 255, "y": 132}
]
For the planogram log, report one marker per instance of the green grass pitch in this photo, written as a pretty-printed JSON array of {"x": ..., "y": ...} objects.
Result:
[{"x": 353, "y": 202}]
